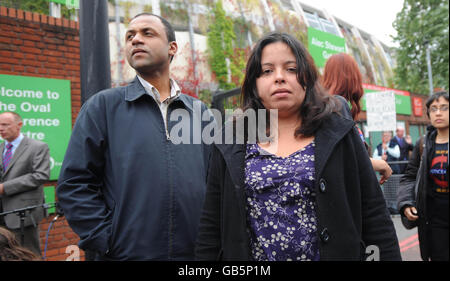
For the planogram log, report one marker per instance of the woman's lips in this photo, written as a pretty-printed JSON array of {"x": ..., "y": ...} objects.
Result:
[{"x": 281, "y": 93}]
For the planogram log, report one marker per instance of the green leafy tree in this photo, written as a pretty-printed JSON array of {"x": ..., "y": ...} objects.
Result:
[
  {"x": 37, "y": 6},
  {"x": 422, "y": 22},
  {"x": 220, "y": 45}
]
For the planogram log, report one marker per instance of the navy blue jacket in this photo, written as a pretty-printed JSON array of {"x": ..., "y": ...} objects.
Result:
[
  {"x": 404, "y": 155},
  {"x": 127, "y": 190}
]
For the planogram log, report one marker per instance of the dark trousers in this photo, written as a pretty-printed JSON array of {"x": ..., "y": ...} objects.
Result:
[
  {"x": 438, "y": 243},
  {"x": 31, "y": 238}
]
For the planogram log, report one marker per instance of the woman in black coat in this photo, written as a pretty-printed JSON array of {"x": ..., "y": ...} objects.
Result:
[
  {"x": 423, "y": 196},
  {"x": 310, "y": 193}
]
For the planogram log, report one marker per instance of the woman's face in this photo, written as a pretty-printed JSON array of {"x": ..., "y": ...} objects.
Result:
[
  {"x": 439, "y": 113},
  {"x": 278, "y": 86}
]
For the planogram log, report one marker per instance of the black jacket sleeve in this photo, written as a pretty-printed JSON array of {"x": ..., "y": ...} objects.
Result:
[
  {"x": 377, "y": 228},
  {"x": 406, "y": 192},
  {"x": 208, "y": 242}
]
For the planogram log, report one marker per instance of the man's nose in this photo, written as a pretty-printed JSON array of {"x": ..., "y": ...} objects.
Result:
[{"x": 137, "y": 39}]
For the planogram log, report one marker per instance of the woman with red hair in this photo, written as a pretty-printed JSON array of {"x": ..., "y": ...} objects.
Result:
[{"x": 342, "y": 77}]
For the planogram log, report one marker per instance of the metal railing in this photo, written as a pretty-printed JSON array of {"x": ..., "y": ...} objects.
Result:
[
  {"x": 218, "y": 99},
  {"x": 391, "y": 186}
]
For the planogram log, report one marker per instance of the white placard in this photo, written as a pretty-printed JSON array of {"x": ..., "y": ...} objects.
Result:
[{"x": 381, "y": 115}]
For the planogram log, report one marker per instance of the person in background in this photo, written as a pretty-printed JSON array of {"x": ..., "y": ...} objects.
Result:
[
  {"x": 24, "y": 169},
  {"x": 423, "y": 195},
  {"x": 384, "y": 151},
  {"x": 342, "y": 77},
  {"x": 405, "y": 145},
  {"x": 125, "y": 187},
  {"x": 10, "y": 250},
  {"x": 313, "y": 195}
]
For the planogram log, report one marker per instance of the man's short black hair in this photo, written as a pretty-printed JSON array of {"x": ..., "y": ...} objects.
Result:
[{"x": 170, "y": 33}]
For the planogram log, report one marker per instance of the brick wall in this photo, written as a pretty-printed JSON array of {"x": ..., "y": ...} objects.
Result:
[{"x": 37, "y": 45}]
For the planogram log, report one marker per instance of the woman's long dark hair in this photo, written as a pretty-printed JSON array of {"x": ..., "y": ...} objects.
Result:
[{"x": 317, "y": 105}]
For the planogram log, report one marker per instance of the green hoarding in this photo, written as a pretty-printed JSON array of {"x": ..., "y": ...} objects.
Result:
[
  {"x": 402, "y": 98},
  {"x": 49, "y": 197},
  {"x": 322, "y": 45},
  {"x": 45, "y": 106}
]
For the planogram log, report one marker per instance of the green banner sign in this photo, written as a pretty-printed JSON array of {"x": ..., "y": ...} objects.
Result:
[
  {"x": 45, "y": 107},
  {"x": 323, "y": 45},
  {"x": 49, "y": 197},
  {"x": 402, "y": 98}
]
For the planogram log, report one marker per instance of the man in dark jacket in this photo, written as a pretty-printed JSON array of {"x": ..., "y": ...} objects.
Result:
[
  {"x": 128, "y": 187},
  {"x": 405, "y": 145}
]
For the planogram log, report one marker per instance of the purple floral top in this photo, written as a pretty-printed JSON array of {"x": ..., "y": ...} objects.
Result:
[{"x": 281, "y": 204}]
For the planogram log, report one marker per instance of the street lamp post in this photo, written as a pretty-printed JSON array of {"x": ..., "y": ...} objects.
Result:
[{"x": 430, "y": 75}]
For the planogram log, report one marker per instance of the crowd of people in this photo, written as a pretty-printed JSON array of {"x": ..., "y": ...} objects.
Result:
[{"x": 309, "y": 191}]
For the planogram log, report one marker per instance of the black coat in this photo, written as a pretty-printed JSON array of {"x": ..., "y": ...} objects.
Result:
[
  {"x": 351, "y": 209},
  {"x": 408, "y": 196}
]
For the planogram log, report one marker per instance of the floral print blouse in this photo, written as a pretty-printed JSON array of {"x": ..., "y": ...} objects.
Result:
[{"x": 281, "y": 204}]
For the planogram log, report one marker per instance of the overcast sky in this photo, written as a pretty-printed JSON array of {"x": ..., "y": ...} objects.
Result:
[{"x": 372, "y": 16}]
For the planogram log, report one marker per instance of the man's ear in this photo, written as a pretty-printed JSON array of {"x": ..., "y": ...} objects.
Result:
[{"x": 173, "y": 48}]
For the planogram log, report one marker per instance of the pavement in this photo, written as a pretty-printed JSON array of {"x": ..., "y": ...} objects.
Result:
[{"x": 408, "y": 240}]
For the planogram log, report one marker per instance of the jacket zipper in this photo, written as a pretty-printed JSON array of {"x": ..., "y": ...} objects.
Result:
[{"x": 170, "y": 226}]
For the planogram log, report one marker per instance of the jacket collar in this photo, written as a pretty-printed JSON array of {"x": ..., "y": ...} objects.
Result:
[
  {"x": 20, "y": 149},
  {"x": 135, "y": 90},
  {"x": 331, "y": 132}
]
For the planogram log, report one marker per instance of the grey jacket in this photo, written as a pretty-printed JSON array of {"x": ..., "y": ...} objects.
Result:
[{"x": 23, "y": 181}]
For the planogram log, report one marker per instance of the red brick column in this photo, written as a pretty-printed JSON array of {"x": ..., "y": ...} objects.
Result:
[{"x": 37, "y": 45}]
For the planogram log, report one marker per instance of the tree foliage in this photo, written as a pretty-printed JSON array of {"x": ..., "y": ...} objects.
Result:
[
  {"x": 421, "y": 22},
  {"x": 220, "y": 45},
  {"x": 37, "y": 6}
]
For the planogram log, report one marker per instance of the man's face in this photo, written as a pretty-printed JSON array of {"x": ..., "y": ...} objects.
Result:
[
  {"x": 9, "y": 127},
  {"x": 386, "y": 137},
  {"x": 146, "y": 45},
  {"x": 400, "y": 132}
]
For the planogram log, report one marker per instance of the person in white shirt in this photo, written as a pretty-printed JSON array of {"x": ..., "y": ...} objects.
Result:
[{"x": 384, "y": 151}]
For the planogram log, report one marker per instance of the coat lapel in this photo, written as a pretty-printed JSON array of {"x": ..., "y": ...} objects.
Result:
[
  {"x": 2, "y": 147},
  {"x": 19, "y": 150},
  {"x": 331, "y": 132},
  {"x": 234, "y": 156}
]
